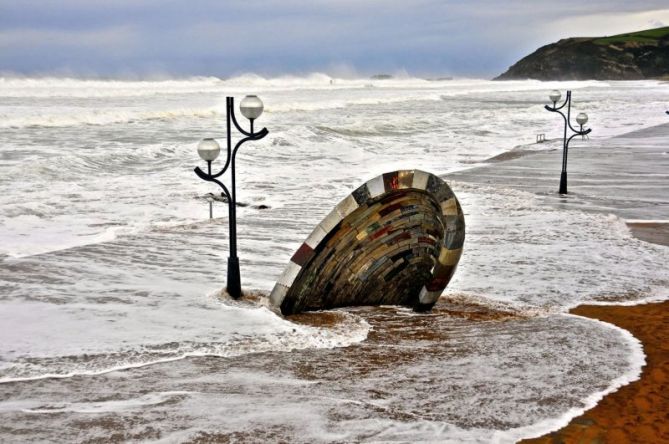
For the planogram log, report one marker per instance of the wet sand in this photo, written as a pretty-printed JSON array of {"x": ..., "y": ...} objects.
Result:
[
  {"x": 638, "y": 412},
  {"x": 625, "y": 175},
  {"x": 654, "y": 232}
]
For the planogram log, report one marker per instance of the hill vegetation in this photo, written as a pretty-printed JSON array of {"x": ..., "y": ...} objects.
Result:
[{"x": 632, "y": 56}]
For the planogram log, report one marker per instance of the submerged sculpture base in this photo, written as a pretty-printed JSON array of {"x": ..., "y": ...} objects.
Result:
[{"x": 396, "y": 240}]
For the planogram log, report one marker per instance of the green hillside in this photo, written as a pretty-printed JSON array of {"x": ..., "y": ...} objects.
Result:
[
  {"x": 632, "y": 56},
  {"x": 648, "y": 37}
]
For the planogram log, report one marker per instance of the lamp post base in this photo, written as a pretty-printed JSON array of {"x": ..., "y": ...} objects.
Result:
[
  {"x": 234, "y": 288},
  {"x": 563, "y": 183}
]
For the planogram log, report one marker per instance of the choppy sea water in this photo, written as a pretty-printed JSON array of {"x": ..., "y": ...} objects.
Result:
[{"x": 110, "y": 269}]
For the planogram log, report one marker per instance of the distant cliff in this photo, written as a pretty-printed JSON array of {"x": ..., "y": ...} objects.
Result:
[{"x": 635, "y": 56}]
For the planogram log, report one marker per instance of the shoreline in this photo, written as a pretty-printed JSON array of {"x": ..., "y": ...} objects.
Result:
[{"x": 638, "y": 411}]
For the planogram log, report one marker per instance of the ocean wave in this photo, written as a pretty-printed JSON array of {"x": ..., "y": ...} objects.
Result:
[
  {"x": 72, "y": 87},
  {"x": 307, "y": 105},
  {"x": 347, "y": 330},
  {"x": 99, "y": 117},
  {"x": 64, "y": 102},
  {"x": 401, "y": 128},
  {"x": 53, "y": 87},
  {"x": 45, "y": 87},
  {"x": 150, "y": 399}
]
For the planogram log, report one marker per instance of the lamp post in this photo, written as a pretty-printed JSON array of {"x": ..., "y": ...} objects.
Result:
[
  {"x": 581, "y": 119},
  {"x": 208, "y": 149}
]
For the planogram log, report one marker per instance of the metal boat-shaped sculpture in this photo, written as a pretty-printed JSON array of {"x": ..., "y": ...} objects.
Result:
[{"x": 396, "y": 240}]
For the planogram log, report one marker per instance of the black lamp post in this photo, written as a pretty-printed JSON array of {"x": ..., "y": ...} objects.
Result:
[
  {"x": 581, "y": 119},
  {"x": 208, "y": 149}
]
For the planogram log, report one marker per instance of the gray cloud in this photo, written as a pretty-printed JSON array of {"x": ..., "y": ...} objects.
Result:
[{"x": 207, "y": 37}]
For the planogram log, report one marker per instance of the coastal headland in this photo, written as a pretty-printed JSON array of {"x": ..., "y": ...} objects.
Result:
[{"x": 634, "y": 56}]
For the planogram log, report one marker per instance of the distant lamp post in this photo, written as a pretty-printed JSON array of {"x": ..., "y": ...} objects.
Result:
[
  {"x": 208, "y": 149},
  {"x": 581, "y": 119},
  {"x": 210, "y": 201}
]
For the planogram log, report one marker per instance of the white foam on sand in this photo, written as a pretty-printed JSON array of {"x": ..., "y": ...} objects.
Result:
[
  {"x": 108, "y": 406},
  {"x": 488, "y": 382},
  {"x": 636, "y": 359},
  {"x": 79, "y": 343},
  {"x": 647, "y": 221},
  {"x": 520, "y": 251}
]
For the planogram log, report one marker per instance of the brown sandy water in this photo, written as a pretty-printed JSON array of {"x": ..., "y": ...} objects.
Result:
[
  {"x": 456, "y": 374},
  {"x": 654, "y": 232}
]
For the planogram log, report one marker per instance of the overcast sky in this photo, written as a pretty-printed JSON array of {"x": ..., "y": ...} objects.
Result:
[{"x": 128, "y": 38}]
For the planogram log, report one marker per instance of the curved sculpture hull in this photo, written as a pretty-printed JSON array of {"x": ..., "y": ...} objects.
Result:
[{"x": 396, "y": 240}]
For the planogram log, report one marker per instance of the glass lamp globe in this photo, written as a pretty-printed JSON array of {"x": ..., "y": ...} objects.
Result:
[
  {"x": 208, "y": 149},
  {"x": 251, "y": 107},
  {"x": 582, "y": 118},
  {"x": 555, "y": 95}
]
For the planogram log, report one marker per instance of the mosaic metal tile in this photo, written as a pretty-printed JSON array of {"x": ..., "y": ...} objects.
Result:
[
  {"x": 420, "y": 179},
  {"x": 316, "y": 237},
  {"x": 376, "y": 187},
  {"x": 396, "y": 239},
  {"x": 361, "y": 195}
]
